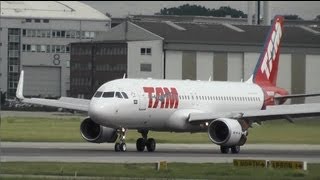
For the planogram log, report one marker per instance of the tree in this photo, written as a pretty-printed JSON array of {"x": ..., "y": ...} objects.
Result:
[
  {"x": 196, "y": 10},
  {"x": 292, "y": 17},
  {"x": 108, "y": 14},
  {"x": 317, "y": 18}
]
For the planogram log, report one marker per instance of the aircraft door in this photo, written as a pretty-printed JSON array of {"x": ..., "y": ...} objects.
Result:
[{"x": 142, "y": 102}]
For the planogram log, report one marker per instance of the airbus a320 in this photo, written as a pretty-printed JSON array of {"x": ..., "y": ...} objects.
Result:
[{"x": 225, "y": 110}]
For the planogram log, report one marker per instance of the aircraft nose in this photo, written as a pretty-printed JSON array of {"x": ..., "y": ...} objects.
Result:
[{"x": 99, "y": 113}]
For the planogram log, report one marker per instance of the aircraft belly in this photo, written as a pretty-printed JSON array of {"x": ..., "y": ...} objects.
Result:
[{"x": 143, "y": 119}]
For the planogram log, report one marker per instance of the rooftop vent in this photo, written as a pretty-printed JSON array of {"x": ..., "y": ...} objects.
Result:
[
  {"x": 175, "y": 26},
  {"x": 233, "y": 27}
]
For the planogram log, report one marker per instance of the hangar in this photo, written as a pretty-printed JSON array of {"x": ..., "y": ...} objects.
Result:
[
  {"x": 225, "y": 52},
  {"x": 35, "y": 36}
]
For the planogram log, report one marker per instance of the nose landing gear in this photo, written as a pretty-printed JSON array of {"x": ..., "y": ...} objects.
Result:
[
  {"x": 121, "y": 146},
  {"x": 145, "y": 142}
]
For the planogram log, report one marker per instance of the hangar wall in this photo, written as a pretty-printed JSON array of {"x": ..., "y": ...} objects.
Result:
[{"x": 292, "y": 75}]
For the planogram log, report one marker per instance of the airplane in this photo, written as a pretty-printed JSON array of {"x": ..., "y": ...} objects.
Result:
[{"x": 225, "y": 110}]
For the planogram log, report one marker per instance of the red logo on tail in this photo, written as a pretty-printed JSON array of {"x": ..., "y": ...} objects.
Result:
[{"x": 267, "y": 67}]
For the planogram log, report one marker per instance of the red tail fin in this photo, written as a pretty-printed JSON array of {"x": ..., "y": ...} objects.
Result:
[{"x": 266, "y": 69}]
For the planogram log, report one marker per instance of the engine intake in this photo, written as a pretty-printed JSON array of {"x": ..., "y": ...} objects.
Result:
[
  {"x": 95, "y": 133},
  {"x": 226, "y": 132}
]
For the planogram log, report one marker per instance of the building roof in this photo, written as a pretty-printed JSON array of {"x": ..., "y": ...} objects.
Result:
[
  {"x": 50, "y": 10},
  {"x": 227, "y": 34}
]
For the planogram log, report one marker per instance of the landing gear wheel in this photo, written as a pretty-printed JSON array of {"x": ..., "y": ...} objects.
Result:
[
  {"x": 117, "y": 147},
  {"x": 151, "y": 144},
  {"x": 235, "y": 149},
  {"x": 122, "y": 137},
  {"x": 140, "y": 144},
  {"x": 123, "y": 147},
  {"x": 224, "y": 149}
]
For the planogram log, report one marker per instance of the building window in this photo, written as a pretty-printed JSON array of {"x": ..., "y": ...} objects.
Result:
[
  {"x": 145, "y": 51},
  {"x": 37, "y": 20},
  {"x": 145, "y": 67},
  {"x": 148, "y": 51},
  {"x": 28, "y": 47},
  {"x": 43, "y": 48},
  {"x": 13, "y": 68},
  {"x": 46, "y": 21},
  {"x": 33, "y": 48},
  {"x": 92, "y": 35},
  {"x": 67, "y": 49},
  {"x": 53, "y": 34},
  {"x": 28, "y": 20},
  {"x": 38, "y": 48},
  {"x": 63, "y": 33}
]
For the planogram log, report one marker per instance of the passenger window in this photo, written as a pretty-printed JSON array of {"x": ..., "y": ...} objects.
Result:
[
  {"x": 124, "y": 95},
  {"x": 118, "y": 95},
  {"x": 108, "y": 94},
  {"x": 98, "y": 94}
]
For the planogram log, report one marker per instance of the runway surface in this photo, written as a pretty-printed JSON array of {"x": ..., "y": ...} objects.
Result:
[{"x": 195, "y": 153}]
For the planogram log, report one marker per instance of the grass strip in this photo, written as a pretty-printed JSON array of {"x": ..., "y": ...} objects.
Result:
[
  {"x": 26, "y": 129},
  {"x": 148, "y": 170}
]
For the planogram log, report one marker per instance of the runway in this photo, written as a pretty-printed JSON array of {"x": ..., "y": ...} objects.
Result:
[{"x": 190, "y": 153}]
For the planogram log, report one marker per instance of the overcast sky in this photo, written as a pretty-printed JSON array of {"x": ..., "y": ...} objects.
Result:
[{"x": 306, "y": 9}]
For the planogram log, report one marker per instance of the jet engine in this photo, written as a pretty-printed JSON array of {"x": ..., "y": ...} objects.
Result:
[
  {"x": 95, "y": 133},
  {"x": 227, "y": 132}
]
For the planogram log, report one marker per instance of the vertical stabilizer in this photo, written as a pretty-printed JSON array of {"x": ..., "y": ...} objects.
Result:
[{"x": 266, "y": 70}]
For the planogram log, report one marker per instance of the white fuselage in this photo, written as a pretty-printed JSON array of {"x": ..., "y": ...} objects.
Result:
[{"x": 164, "y": 105}]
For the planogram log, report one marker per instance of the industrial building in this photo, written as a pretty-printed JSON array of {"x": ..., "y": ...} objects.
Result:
[
  {"x": 197, "y": 51},
  {"x": 35, "y": 36}
]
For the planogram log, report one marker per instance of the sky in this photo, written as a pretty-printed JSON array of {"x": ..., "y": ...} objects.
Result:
[{"x": 307, "y": 10}]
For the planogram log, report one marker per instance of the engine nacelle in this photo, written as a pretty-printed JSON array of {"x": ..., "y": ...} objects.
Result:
[
  {"x": 95, "y": 133},
  {"x": 226, "y": 132}
]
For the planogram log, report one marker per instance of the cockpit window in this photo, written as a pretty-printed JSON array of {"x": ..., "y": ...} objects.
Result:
[
  {"x": 98, "y": 94},
  {"x": 108, "y": 94},
  {"x": 118, "y": 95},
  {"x": 124, "y": 95}
]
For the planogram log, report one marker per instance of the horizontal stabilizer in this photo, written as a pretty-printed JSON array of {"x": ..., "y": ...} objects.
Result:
[{"x": 296, "y": 96}]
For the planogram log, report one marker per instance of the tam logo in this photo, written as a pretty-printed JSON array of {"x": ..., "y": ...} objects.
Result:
[
  {"x": 272, "y": 49},
  {"x": 162, "y": 97}
]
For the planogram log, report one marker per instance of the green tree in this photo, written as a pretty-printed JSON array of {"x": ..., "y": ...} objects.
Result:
[
  {"x": 196, "y": 10},
  {"x": 292, "y": 17}
]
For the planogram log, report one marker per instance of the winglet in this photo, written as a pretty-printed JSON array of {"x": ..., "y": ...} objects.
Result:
[{"x": 19, "y": 92}]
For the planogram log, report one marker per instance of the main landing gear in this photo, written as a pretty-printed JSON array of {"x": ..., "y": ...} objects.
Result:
[
  {"x": 225, "y": 149},
  {"x": 122, "y": 145},
  {"x": 141, "y": 143},
  {"x": 145, "y": 142}
]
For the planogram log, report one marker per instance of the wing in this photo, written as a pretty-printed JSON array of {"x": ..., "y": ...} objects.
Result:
[
  {"x": 271, "y": 113},
  {"x": 63, "y": 102}
]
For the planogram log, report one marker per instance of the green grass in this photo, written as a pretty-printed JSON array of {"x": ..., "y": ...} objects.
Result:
[
  {"x": 67, "y": 130},
  {"x": 148, "y": 170}
]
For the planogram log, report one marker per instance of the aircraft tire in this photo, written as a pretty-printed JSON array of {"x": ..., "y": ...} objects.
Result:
[
  {"x": 116, "y": 147},
  {"x": 123, "y": 147},
  {"x": 224, "y": 149},
  {"x": 140, "y": 144},
  {"x": 235, "y": 149},
  {"x": 151, "y": 145}
]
